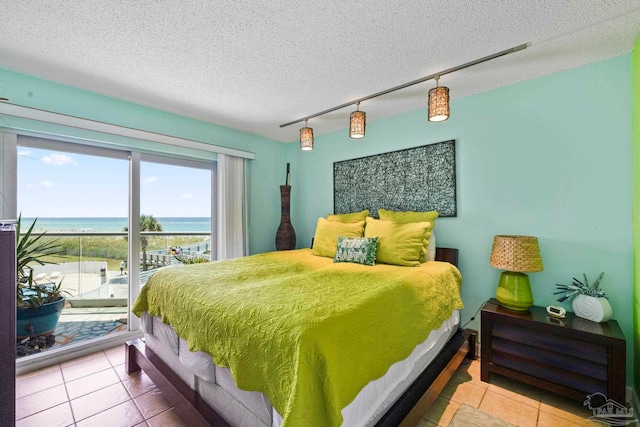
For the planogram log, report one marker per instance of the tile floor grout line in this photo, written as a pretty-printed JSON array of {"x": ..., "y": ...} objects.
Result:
[
  {"x": 34, "y": 378},
  {"x": 39, "y": 412},
  {"x": 73, "y": 415},
  {"x": 159, "y": 413},
  {"x": 92, "y": 373},
  {"x": 105, "y": 409},
  {"x": 484, "y": 393}
]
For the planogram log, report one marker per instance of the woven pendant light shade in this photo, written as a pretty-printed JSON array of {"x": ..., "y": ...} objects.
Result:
[
  {"x": 306, "y": 138},
  {"x": 439, "y": 104},
  {"x": 357, "y": 124},
  {"x": 516, "y": 253}
]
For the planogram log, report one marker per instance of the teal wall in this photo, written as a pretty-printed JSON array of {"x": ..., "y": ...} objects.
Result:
[
  {"x": 267, "y": 170},
  {"x": 549, "y": 157}
]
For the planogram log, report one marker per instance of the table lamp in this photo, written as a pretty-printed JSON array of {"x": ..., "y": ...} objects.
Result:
[{"x": 517, "y": 255}]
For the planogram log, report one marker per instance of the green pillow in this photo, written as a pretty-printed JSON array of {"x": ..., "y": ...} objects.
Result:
[
  {"x": 349, "y": 217},
  {"x": 360, "y": 250},
  {"x": 411, "y": 217},
  {"x": 408, "y": 216},
  {"x": 325, "y": 241},
  {"x": 398, "y": 244}
]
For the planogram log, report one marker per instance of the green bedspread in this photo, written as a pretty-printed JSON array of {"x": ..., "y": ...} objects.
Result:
[{"x": 306, "y": 332}]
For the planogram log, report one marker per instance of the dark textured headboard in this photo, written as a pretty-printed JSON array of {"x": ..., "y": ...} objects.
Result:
[{"x": 447, "y": 255}]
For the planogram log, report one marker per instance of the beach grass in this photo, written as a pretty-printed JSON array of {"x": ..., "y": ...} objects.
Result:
[{"x": 111, "y": 249}]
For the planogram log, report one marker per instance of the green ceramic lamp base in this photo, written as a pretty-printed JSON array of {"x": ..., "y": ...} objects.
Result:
[{"x": 514, "y": 291}]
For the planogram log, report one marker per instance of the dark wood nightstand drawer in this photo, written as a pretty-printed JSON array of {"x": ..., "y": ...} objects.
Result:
[
  {"x": 551, "y": 343},
  {"x": 545, "y": 357}
]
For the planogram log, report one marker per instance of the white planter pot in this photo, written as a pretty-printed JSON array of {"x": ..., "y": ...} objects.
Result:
[{"x": 592, "y": 308}]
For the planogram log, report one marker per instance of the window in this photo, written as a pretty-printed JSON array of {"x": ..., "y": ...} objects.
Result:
[{"x": 175, "y": 206}]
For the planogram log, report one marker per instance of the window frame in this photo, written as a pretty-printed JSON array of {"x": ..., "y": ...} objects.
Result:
[{"x": 11, "y": 140}]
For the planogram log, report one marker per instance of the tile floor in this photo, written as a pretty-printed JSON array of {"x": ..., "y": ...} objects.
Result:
[
  {"x": 511, "y": 401},
  {"x": 95, "y": 390}
]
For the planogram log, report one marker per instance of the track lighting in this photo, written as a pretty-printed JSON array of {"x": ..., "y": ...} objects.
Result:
[
  {"x": 306, "y": 137},
  {"x": 357, "y": 123},
  {"x": 438, "y": 103}
]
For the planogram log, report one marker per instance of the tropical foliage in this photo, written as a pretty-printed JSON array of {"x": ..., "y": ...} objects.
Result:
[
  {"x": 147, "y": 223},
  {"x": 578, "y": 287},
  {"x": 32, "y": 249}
]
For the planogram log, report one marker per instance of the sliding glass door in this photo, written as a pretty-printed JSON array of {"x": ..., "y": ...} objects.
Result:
[
  {"x": 110, "y": 219},
  {"x": 175, "y": 213},
  {"x": 77, "y": 198}
]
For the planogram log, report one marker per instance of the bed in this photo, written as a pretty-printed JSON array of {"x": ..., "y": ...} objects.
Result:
[{"x": 388, "y": 384}]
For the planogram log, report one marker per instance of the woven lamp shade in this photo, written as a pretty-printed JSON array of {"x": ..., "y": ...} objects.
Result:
[
  {"x": 357, "y": 124},
  {"x": 439, "y": 104},
  {"x": 516, "y": 253},
  {"x": 306, "y": 138}
]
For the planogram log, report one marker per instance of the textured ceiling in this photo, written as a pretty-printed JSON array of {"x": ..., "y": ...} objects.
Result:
[{"x": 255, "y": 64}]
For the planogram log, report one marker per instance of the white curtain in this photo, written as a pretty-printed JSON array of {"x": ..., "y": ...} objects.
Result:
[{"x": 231, "y": 207}]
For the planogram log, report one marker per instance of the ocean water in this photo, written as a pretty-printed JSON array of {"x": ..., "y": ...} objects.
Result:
[{"x": 114, "y": 224}]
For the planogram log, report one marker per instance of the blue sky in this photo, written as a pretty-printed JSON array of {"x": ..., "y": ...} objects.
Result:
[{"x": 57, "y": 184}]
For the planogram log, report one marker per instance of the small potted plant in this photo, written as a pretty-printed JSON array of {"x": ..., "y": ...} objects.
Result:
[
  {"x": 589, "y": 301},
  {"x": 38, "y": 304}
]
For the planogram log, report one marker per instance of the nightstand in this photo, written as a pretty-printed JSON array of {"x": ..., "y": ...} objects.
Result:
[{"x": 573, "y": 357}]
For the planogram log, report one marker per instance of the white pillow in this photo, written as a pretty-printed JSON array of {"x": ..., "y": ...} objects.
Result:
[{"x": 431, "y": 247}]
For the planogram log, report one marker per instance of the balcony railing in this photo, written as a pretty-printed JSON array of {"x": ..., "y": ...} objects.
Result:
[{"x": 94, "y": 269}]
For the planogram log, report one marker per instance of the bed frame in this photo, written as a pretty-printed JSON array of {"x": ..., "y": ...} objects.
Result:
[{"x": 406, "y": 412}]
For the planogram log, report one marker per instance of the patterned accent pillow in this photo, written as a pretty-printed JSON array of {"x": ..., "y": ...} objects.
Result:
[{"x": 359, "y": 250}]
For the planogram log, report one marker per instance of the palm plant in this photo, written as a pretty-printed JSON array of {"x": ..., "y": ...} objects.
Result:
[
  {"x": 38, "y": 295},
  {"x": 30, "y": 249},
  {"x": 147, "y": 223}
]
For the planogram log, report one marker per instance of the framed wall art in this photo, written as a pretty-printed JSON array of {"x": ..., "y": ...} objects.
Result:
[{"x": 414, "y": 179}]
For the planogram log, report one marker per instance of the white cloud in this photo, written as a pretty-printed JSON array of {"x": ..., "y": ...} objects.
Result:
[
  {"x": 46, "y": 184},
  {"x": 150, "y": 180},
  {"x": 57, "y": 159},
  {"x": 24, "y": 153},
  {"x": 187, "y": 196},
  {"x": 29, "y": 185}
]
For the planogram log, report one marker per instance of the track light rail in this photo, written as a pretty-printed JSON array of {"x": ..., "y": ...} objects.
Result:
[{"x": 414, "y": 82}]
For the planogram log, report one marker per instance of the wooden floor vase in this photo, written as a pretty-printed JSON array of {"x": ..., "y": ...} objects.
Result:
[{"x": 286, "y": 235}]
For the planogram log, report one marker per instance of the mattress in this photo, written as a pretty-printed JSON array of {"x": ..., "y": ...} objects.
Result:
[{"x": 248, "y": 409}]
